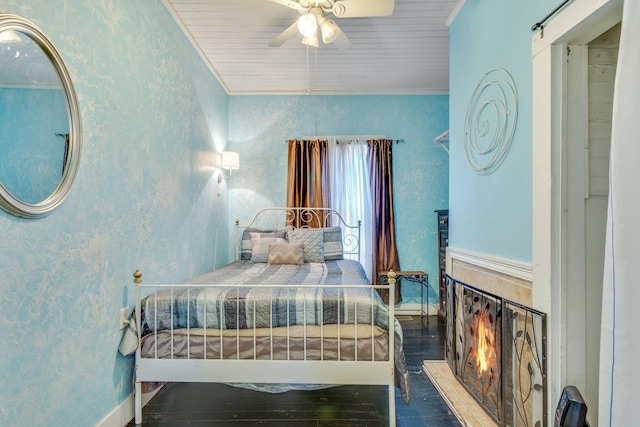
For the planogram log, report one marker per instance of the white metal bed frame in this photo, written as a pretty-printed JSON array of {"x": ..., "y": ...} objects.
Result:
[
  {"x": 219, "y": 370},
  {"x": 279, "y": 218}
]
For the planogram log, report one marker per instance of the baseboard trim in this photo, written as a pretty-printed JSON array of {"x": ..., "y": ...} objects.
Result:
[{"x": 125, "y": 411}]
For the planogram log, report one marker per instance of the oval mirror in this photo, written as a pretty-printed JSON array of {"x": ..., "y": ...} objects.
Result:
[{"x": 40, "y": 135}]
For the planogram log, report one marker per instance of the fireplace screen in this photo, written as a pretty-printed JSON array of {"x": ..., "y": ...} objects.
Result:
[{"x": 496, "y": 350}]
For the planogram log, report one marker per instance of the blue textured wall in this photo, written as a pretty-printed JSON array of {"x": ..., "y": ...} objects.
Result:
[
  {"x": 145, "y": 197},
  {"x": 492, "y": 214},
  {"x": 260, "y": 125}
]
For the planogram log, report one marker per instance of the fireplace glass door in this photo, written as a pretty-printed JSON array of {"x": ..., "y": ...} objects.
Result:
[{"x": 496, "y": 350}]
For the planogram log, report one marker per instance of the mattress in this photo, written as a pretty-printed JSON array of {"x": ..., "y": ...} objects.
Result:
[{"x": 295, "y": 343}]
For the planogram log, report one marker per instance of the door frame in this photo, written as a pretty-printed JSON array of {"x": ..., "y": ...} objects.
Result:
[{"x": 576, "y": 25}]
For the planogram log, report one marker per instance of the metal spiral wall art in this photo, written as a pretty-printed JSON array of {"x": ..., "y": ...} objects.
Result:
[{"x": 490, "y": 122}]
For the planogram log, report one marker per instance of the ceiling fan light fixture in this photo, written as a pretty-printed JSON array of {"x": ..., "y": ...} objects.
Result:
[
  {"x": 311, "y": 40},
  {"x": 330, "y": 30},
  {"x": 308, "y": 24}
]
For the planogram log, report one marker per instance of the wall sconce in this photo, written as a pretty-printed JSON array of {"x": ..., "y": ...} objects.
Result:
[
  {"x": 230, "y": 161},
  {"x": 9, "y": 36}
]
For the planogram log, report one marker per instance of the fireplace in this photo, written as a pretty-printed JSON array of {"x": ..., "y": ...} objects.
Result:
[{"x": 496, "y": 349}]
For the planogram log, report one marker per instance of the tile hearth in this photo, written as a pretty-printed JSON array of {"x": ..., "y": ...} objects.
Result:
[{"x": 462, "y": 404}]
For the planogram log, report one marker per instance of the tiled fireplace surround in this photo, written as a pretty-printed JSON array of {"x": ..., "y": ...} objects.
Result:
[
  {"x": 506, "y": 285},
  {"x": 508, "y": 280}
]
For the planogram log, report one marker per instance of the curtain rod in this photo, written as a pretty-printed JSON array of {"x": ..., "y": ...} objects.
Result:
[
  {"x": 397, "y": 141},
  {"x": 540, "y": 24},
  {"x": 394, "y": 141}
]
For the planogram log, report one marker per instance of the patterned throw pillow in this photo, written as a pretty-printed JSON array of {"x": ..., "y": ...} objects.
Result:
[
  {"x": 333, "y": 243},
  {"x": 260, "y": 245},
  {"x": 285, "y": 253},
  {"x": 246, "y": 244},
  {"x": 312, "y": 240}
]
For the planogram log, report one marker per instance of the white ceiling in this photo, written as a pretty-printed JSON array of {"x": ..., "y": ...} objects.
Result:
[{"x": 406, "y": 53}]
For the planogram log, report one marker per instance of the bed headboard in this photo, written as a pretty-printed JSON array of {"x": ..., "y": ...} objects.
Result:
[{"x": 280, "y": 218}]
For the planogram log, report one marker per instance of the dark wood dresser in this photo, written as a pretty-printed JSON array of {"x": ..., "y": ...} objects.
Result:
[{"x": 443, "y": 242}]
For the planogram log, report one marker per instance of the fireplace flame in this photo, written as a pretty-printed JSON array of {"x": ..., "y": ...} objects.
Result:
[{"x": 486, "y": 348}]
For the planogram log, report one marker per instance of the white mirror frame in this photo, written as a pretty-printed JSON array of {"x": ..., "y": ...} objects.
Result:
[{"x": 8, "y": 201}]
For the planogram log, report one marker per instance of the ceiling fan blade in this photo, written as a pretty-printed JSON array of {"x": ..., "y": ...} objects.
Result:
[
  {"x": 362, "y": 8},
  {"x": 289, "y": 3},
  {"x": 285, "y": 35},
  {"x": 342, "y": 42}
]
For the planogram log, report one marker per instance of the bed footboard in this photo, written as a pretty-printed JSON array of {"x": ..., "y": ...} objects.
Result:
[{"x": 285, "y": 334}]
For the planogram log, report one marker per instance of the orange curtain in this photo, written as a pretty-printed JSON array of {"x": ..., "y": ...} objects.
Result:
[
  {"x": 307, "y": 178},
  {"x": 385, "y": 252}
]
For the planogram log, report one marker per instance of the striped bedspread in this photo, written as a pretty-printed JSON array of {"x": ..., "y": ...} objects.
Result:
[{"x": 266, "y": 302}]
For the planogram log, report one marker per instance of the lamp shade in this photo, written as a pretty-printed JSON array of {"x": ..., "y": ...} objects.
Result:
[
  {"x": 311, "y": 40},
  {"x": 308, "y": 24},
  {"x": 230, "y": 160},
  {"x": 330, "y": 30}
]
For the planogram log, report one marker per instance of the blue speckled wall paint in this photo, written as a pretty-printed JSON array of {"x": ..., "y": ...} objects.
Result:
[
  {"x": 145, "y": 198},
  {"x": 492, "y": 214},
  {"x": 259, "y": 127}
]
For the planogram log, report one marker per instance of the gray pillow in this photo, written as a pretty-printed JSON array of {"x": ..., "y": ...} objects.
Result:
[
  {"x": 286, "y": 253},
  {"x": 312, "y": 243}
]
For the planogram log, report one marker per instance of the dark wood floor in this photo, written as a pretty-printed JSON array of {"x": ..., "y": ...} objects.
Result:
[{"x": 197, "y": 404}]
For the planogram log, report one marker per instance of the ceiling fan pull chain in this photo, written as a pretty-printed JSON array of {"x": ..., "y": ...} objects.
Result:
[{"x": 308, "y": 75}]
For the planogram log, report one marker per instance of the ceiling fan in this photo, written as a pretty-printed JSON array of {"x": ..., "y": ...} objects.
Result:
[{"x": 314, "y": 15}]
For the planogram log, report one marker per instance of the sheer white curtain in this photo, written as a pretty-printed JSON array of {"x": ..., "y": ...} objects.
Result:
[
  {"x": 620, "y": 339},
  {"x": 351, "y": 192}
]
